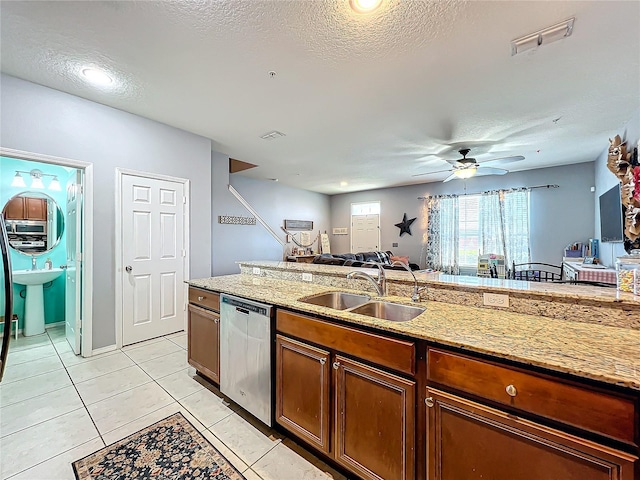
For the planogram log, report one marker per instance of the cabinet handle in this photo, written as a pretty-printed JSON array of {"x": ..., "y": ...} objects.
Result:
[
  {"x": 336, "y": 365},
  {"x": 200, "y": 298},
  {"x": 216, "y": 320},
  {"x": 323, "y": 361},
  {"x": 429, "y": 401},
  {"x": 511, "y": 390}
]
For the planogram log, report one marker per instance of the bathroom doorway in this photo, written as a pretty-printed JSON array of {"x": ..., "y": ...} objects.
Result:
[{"x": 64, "y": 251}]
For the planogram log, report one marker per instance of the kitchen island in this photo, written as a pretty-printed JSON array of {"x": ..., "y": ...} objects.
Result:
[{"x": 564, "y": 393}]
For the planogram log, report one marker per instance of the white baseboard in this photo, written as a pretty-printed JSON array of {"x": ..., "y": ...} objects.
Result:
[
  {"x": 54, "y": 324},
  {"x": 108, "y": 348}
]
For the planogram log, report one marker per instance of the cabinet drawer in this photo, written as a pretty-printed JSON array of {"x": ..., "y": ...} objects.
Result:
[
  {"x": 389, "y": 352},
  {"x": 604, "y": 413},
  {"x": 204, "y": 298}
]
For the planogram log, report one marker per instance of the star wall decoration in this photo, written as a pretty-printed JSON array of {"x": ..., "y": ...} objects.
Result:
[{"x": 405, "y": 225}]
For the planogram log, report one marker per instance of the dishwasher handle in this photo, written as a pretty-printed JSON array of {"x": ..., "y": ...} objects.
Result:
[{"x": 242, "y": 310}]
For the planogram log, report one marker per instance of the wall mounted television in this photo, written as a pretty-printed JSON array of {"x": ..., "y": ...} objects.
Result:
[{"x": 611, "y": 216}]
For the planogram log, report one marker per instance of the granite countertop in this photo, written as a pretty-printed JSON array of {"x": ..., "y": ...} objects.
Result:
[
  {"x": 557, "y": 291},
  {"x": 603, "y": 353}
]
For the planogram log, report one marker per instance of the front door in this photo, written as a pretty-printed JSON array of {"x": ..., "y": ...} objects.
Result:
[
  {"x": 72, "y": 297},
  {"x": 153, "y": 253},
  {"x": 365, "y": 233}
]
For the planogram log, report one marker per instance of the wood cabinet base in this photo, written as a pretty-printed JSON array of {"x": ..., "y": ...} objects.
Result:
[{"x": 467, "y": 440}]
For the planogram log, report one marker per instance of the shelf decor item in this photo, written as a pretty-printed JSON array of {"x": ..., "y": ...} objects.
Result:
[{"x": 625, "y": 166}]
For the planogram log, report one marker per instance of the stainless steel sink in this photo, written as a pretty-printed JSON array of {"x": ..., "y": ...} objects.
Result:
[
  {"x": 336, "y": 300},
  {"x": 394, "y": 312}
]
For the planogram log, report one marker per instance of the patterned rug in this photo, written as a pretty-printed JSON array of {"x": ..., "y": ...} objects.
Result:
[{"x": 169, "y": 449}]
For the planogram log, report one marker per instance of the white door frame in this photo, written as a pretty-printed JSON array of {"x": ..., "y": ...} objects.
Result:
[
  {"x": 86, "y": 346},
  {"x": 118, "y": 229}
]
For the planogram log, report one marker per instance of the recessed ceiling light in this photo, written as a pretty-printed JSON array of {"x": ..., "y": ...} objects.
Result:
[
  {"x": 96, "y": 76},
  {"x": 364, "y": 6},
  {"x": 343, "y": 184}
]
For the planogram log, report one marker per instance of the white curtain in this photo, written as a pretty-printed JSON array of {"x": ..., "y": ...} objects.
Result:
[
  {"x": 503, "y": 229},
  {"x": 442, "y": 235},
  {"x": 504, "y": 225}
]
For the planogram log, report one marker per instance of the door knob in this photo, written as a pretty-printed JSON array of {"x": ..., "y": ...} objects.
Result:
[{"x": 128, "y": 268}]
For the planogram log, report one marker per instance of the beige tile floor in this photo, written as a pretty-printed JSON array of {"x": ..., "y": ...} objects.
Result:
[{"x": 56, "y": 407}]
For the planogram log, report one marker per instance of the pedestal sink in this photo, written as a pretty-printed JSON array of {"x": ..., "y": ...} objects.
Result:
[{"x": 34, "y": 300}]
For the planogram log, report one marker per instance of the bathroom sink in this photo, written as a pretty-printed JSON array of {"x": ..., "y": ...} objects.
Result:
[
  {"x": 394, "y": 312},
  {"x": 35, "y": 277},
  {"x": 336, "y": 300}
]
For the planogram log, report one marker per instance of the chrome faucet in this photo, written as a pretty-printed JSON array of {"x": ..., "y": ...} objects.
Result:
[
  {"x": 416, "y": 291},
  {"x": 380, "y": 283},
  {"x": 34, "y": 266}
]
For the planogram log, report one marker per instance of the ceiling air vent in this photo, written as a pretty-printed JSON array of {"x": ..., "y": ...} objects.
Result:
[
  {"x": 542, "y": 37},
  {"x": 272, "y": 135}
]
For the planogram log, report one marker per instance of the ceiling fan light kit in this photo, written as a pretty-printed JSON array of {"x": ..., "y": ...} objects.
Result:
[
  {"x": 468, "y": 167},
  {"x": 465, "y": 172}
]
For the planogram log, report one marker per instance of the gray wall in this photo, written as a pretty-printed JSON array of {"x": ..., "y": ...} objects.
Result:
[
  {"x": 39, "y": 119},
  {"x": 273, "y": 201},
  {"x": 558, "y": 216},
  {"x": 604, "y": 180}
]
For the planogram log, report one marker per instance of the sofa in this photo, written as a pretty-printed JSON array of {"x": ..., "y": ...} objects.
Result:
[{"x": 359, "y": 259}]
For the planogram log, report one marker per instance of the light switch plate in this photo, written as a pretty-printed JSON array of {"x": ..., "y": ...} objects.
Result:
[
  {"x": 495, "y": 300},
  {"x": 307, "y": 277},
  {"x": 256, "y": 270}
]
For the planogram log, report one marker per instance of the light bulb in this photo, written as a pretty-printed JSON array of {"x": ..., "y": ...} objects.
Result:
[
  {"x": 55, "y": 184},
  {"x": 18, "y": 181},
  {"x": 365, "y": 6},
  {"x": 97, "y": 77},
  {"x": 465, "y": 172},
  {"x": 37, "y": 183}
]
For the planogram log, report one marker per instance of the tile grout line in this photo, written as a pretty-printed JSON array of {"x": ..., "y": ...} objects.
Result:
[{"x": 81, "y": 399}]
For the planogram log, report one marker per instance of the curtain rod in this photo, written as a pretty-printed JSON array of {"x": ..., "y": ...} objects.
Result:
[{"x": 488, "y": 191}]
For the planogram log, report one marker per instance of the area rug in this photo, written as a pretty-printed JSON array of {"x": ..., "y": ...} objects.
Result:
[{"x": 169, "y": 449}]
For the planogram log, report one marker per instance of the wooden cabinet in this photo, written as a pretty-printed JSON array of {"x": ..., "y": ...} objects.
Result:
[
  {"x": 26, "y": 208},
  {"x": 203, "y": 351},
  {"x": 468, "y": 440},
  {"x": 302, "y": 391},
  {"x": 360, "y": 415},
  {"x": 374, "y": 427}
]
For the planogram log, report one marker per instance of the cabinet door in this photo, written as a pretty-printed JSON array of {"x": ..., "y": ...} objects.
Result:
[
  {"x": 467, "y": 440},
  {"x": 374, "y": 426},
  {"x": 35, "y": 208},
  {"x": 302, "y": 391},
  {"x": 15, "y": 209},
  {"x": 204, "y": 342}
]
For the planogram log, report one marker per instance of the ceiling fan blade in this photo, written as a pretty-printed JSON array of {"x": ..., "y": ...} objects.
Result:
[
  {"x": 429, "y": 173},
  {"x": 504, "y": 160},
  {"x": 491, "y": 171},
  {"x": 450, "y": 177}
]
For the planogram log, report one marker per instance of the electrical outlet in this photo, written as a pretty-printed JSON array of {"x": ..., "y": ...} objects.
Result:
[
  {"x": 495, "y": 300},
  {"x": 256, "y": 270},
  {"x": 307, "y": 277},
  {"x": 394, "y": 244}
]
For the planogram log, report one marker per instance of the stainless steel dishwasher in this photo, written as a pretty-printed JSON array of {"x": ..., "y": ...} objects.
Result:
[{"x": 245, "y": 355}]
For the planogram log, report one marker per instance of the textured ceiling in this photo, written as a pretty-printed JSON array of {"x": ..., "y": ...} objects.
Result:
[{"x": 365, "y": 99}]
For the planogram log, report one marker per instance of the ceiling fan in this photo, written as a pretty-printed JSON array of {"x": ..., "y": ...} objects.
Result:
[{"x": 468, "y": 167}]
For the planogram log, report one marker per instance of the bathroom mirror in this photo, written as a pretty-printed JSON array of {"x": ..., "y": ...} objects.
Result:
[{"x": 34, "y": 221}]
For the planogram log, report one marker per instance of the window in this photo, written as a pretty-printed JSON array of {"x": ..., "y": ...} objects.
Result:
[
  {"x": 462, "y": 227},
  {"x": 369, "y": 208},
  {"x": 468, "y": 230}
]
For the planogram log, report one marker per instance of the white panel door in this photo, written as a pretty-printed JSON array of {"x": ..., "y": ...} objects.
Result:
[
  {"x": 365, "y": 233},
  {"x": 73, "y": 225},
  {"x": 153, "y": 296}
]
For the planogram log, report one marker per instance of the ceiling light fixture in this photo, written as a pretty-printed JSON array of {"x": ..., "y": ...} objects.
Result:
[
  {"x": 343, "y": 184},
  {"x": 272, "y": 135},
  {"x": 542, "y": 37},
  {"x": 36, "y": 179},
  {"x": 465, "y": 172},
  {"x": 364, "y": 6},
  {"x": 18, "y": 181},
  {"x": 96, "y": 76}
]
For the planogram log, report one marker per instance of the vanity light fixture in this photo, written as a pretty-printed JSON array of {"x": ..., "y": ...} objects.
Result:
[
  {"x": 97, "y": 76},
  {"x": 36, "y": 179},
  {"x": 542, "y": 37},
  {"x": 364, "y": 6},
  {"x": 18, "y": 181},
  {"x": 465, "y": 172}
]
